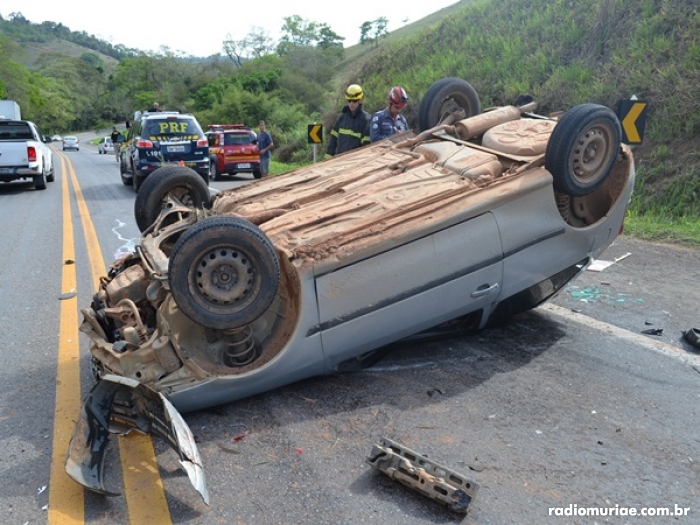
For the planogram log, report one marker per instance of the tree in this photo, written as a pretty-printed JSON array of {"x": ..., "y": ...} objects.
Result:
[
  {"x": 300, "y": 32},
  {"x": 256, "y": 44},
  {"x": 372, "y": 31}
]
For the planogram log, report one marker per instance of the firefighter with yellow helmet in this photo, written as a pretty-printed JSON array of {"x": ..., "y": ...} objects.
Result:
[{"x": 351, "y": 130}]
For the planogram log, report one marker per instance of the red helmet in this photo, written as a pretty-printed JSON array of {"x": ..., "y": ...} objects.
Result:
[{"x": 398, "y": 96}]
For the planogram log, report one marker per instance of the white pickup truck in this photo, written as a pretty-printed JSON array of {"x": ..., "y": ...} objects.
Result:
[{"x": 24, "y": 154}]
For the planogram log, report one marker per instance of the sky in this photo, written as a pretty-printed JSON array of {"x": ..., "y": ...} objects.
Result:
[{"x": 199, "y": 28}]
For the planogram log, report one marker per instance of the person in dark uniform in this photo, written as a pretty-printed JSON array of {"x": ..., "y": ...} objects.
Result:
[
  {"x": 351, "y": 130},
  {"x": 116, "y": 141}
]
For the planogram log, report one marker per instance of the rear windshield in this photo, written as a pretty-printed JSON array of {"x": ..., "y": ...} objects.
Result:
[
  {"x": 164, "y": 129},
  {"x": 238, "y": 139},
  {"x": 15, "y": 131}
]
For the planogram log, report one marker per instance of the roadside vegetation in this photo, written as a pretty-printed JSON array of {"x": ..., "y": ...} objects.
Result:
[{"x": 562, "y": 52}]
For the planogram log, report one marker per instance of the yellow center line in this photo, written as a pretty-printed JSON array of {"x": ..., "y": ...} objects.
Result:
[
  {"x": 144, "y": 492},
  {"x": 66, "y": 503}
]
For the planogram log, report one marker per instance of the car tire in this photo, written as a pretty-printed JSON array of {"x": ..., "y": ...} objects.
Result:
[
  {"x": 257, "y": 174},
  {"x": 51, "y": 175},
  {"x": 122, "y": 173},
  {"x": 179, "y": 182},
  {"x": 39, "y": 181},
  {"x": 223, "y": 272},
  {"x": 444, "y": 97},
  {"x": 213, "y": 172},
  {"x": 583, "y": 148}
]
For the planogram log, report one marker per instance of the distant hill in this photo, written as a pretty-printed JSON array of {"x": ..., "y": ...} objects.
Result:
[{"x": 55, "y": 38}]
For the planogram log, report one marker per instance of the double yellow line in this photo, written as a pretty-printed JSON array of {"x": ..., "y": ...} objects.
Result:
[{"x": 144, "y": 493}]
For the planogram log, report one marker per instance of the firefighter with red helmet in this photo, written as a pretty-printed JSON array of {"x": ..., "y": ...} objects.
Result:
[
  {"x": 351, "y": 130},
  {"x": 390, "y": 120}
]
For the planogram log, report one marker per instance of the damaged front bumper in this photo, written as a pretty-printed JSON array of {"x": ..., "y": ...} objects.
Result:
[{"x": 118, "y": 405}]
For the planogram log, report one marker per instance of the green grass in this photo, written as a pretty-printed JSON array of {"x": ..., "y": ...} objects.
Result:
[
  {"x": 279, "y": 168},
  {"x": 653, "y": 227}
]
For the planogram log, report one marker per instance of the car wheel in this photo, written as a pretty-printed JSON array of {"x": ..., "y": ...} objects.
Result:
[
  {"x": 51, "y": 175},
  {"x": 257, "y": 174},
  {"x": 445, "y": 97},
  {"x": 223, "y": 272},
  {"x": 122, "y": 173},
  {"x": 39, "y": 181},
  {"x": 178, "y": 182},
  {"x": 582, "y": 149},
  {"x": 213, "y": 172}
]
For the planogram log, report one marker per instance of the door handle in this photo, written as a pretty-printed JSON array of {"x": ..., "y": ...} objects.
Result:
[{"x": 484, "y": 289}]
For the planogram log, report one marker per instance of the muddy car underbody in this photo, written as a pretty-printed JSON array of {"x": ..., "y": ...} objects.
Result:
[{"x": 474, "y": 219}]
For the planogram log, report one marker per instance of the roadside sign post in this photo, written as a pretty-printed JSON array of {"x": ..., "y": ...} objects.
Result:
[
  {"x": 313, "y": 136},
  {"x": 632, "y": 114}
]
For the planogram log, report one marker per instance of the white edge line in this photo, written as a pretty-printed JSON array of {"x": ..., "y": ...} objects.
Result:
[{"x": 656, "y": 346}]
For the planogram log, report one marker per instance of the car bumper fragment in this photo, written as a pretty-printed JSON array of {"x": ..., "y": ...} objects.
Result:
[
  {"x": 427, "y": 477},
  {"x": 118, "y": 405}
]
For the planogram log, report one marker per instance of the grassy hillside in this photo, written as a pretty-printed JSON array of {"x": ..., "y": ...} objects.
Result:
[
  {"x": 566, "y": 53},
  {"x": 33, "y": 53}
]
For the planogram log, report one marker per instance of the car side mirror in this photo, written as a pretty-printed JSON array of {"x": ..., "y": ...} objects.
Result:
[{"x": 255, "y": 141}]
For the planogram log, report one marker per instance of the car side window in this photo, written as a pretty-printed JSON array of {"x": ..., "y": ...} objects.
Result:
[{"x": 134, "y": 130}]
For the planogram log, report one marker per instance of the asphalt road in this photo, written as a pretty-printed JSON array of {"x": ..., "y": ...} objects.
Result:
[{"x": 566, "y": 405}]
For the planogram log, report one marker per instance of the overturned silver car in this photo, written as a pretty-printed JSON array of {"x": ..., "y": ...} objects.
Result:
[{"x": 479, "y": 216}]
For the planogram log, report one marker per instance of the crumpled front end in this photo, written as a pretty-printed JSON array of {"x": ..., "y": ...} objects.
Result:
[{"x": 118, "y": 405}]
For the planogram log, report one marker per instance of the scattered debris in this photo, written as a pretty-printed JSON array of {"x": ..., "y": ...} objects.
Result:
[
  {"x": 600, "y": 265},
  {"x": 653, "y": 331},
  {"x": 476, "y": 467},
  {"x": 67, "y": 295},
  {"x": 692, "y": 335},
  {"x": 435, "y": 391},
  {"x": 417, "y": 472},
  {"x": 593, "y": 294},
  {"x": 243, "y": 434},
  {"x": 69, "y": 261}
]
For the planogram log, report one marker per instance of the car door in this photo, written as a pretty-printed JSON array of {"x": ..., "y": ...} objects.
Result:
[{"x": 409, "y": 288}]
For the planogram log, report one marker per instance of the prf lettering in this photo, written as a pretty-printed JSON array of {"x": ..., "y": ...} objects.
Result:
[{"x": 172, "y": 127}]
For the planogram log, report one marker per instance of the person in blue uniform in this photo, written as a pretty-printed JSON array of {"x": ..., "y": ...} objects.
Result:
[{"x": 390, "y": 120}]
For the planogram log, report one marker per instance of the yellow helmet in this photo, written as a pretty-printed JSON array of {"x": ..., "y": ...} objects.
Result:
[{"x": 354, "y": 92}]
